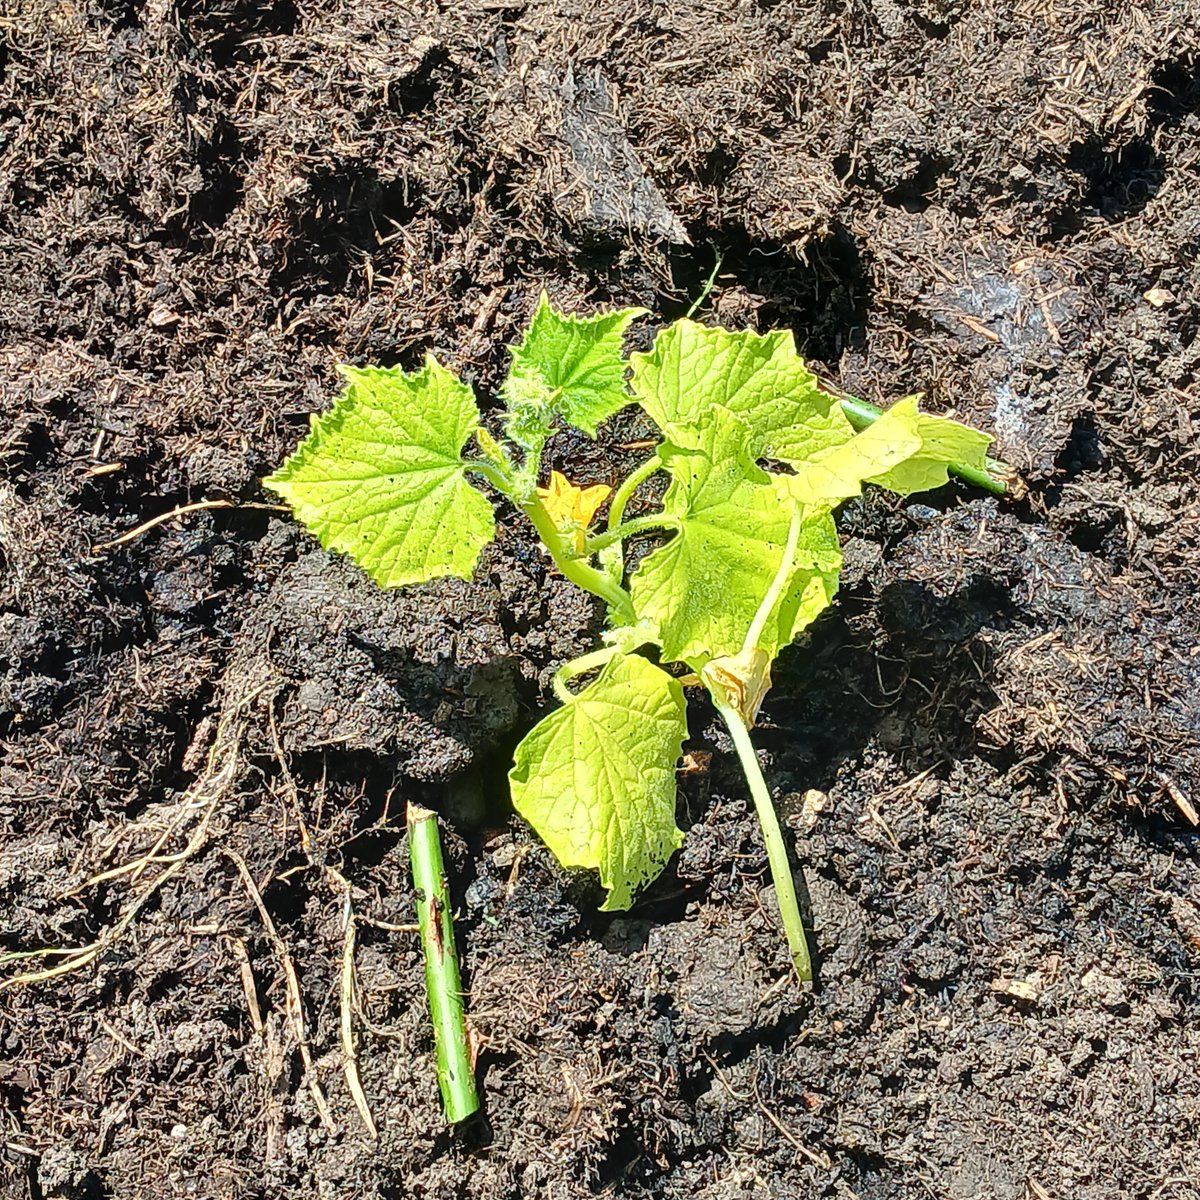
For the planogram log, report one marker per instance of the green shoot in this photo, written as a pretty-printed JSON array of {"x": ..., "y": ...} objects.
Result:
[{"x": 746, "y": 558}]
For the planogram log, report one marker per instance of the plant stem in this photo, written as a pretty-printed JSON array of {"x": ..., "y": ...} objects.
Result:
[
  {"x": 502, "y": 469},
  {"x": 580, "y": 666},
  {"x": 576, "y": 569},
  {"x": 614, "y": 559},
  {"x": 779, "y": 583},
  {"x": 768, "y": 819},
  {"x": 601, "y": 541},
  {"x": 500, "y": 472},
  {"x": 443, "y": 984},
  {"x": 996, "y": 479},
  {"x": 708, "y": 286}
]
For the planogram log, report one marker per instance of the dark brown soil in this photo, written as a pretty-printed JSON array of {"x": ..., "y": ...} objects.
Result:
[{"x": 204, "y": 204}]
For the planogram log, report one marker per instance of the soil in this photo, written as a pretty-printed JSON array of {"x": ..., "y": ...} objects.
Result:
[{"x": 988, "y": 753}]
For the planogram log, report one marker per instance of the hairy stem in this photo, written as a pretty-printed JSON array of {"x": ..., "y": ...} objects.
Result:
[
  {"x": 575, "y": 568},
  {"x": 501, "y": 463},
  {"x": 996, "y": 479},
  {"x": 443, "y": 984},
  {"x": 614, "y": 557},
  {"x": 768, "y": 819},
  {"x": 500, "y": 472},
  {"x": 778, "y": 586}
]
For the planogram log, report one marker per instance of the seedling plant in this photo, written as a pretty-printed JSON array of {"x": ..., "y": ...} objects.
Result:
[{"x": 746, "y": 555}]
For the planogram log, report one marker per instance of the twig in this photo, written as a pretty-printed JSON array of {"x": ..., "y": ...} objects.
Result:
[
  {"x": 238, "y": 949},
  {"x": 819, "y": 1160},
  {"x": 443, "y": 984},
  {"x": 349, "y": 1054},
  {"x": 180, "y": 511}
]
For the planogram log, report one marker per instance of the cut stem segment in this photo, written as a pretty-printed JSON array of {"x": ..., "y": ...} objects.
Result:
[
  {"x": 768, "y": 819},
  {"x": 443, "y": 984}
]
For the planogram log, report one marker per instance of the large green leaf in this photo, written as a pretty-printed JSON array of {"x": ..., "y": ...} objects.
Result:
[
  {"x": 596, "y": 778},
  {"x": 380, "y": 476},
  {"x": 569, "y": 367},
  {"x": 759, "y": 378},
  {"x": 703, "y": 588}
]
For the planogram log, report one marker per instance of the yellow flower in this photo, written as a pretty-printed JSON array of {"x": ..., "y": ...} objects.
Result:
[{"x": 572, "y": 508}]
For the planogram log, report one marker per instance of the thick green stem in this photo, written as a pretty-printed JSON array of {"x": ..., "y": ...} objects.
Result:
[
  {"x": 577, "y": 569},
  {"x": 768, "y": 819},
  {"x": 613, "y": 557},
  {"x": 443, "y": 984},
  {"x": 646, "y": 524},
  {"x": 996, "y": 479},
  {"x": 500, "y": 472}
]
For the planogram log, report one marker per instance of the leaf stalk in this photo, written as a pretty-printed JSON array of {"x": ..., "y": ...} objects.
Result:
[
  {"x": 646, "y": 524},
  {"x": 768, "y": 819},
  {"x": 576, "y": 569},
  {"x": 614, "y": 557},
  {"x": 581, "y": 666}
]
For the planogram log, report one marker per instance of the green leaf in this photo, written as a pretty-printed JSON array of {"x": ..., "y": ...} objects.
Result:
[
  {"x": 838, "y": 472},
  {"x": 569, "y": 367},
  {"x": 943, "y": 442},
  {"x": 904, "y": 450},
  {"x": 596, "y": 778},
  {"x": 704, "y": 586},
  {"x": 759, "y": 378},
  {"x": 380, "y": 476}
]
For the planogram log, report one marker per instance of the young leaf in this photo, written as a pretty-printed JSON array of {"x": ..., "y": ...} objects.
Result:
[
  {"x": 904, "y": 450},
  {"x": 704, "y": 586},
  {"x": 596, "y": 778},
  {"x": 943, "y": 442},
  {"x": 759, "y": 378},
  {"x": 838, "y": 472},
  {"x": 570, "y": 367},
  {"x": 380, "y": 477}
]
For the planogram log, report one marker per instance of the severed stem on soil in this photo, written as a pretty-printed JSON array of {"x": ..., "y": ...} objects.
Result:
[
  {"x": 768, "y": 819},
  {"x": 443, "y": 984}
]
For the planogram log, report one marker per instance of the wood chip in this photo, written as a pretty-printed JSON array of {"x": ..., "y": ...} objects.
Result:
[
  {"x": 1019, "y": 989},
  {"x": 1159, "y": 297}
]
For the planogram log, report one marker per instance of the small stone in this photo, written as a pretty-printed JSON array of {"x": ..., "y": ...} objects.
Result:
[{"x": 1019, "y": 989}]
